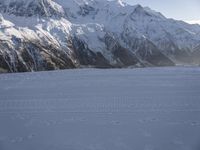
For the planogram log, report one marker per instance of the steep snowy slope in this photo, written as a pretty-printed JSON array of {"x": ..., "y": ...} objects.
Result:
[{"x": 59, "y": 34}]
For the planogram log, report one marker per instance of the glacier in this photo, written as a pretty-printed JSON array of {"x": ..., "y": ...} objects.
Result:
[{"x": 92, "y": 109}]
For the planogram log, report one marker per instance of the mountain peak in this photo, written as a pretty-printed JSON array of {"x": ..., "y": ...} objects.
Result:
[
  {"x": 54, "y": 34},
  {"x": 120, "y": 2},
  {"x": 30, "y": 8}
]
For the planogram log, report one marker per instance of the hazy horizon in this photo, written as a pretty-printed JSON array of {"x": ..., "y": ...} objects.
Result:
[{"x": 187, "y": 10}]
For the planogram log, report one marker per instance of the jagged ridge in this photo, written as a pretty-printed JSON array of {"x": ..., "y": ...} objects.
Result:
[{"x": 57, "y": 34}]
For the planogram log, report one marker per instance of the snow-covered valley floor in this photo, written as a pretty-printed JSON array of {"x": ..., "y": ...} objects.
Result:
[{"x": 89, "y": 109}]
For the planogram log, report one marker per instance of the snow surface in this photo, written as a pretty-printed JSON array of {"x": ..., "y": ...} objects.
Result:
[{"x": 89, "y": 109}]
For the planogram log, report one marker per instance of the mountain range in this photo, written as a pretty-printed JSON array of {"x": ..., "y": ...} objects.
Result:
[{"x": 37, "y": 35}]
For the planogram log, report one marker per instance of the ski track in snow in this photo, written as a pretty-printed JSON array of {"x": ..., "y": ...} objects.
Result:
[{"x": 91, "y": 109}]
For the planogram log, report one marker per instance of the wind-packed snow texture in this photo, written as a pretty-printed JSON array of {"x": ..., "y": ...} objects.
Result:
[{"x": 88, "y": 109}]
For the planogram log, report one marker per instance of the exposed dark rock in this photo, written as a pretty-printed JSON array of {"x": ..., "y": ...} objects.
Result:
[
  {"x": 4, "y": 67},
  {"x": 61, "y": 41},
  {"x": 87, "y": 57},
  {"x": 196, "y": 55},
  {"x": 40, "y": 8},
  {"x": 150, "y": 53},
  {"x": 34, "y": 57},
  {"x": 86, "y": 10}
]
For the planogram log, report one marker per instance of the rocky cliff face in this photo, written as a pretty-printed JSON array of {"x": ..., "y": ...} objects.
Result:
[{"x": 40, "y": 35}]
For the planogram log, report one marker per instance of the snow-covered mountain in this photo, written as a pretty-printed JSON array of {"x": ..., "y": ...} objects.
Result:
[{"x": 57, "y": 34}]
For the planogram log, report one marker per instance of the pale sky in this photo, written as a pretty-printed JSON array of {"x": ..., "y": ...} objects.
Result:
[{"x": 187, "y": 10}]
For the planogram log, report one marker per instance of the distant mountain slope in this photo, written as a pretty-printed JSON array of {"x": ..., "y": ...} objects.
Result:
[{"x": 58, "y": 34}]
